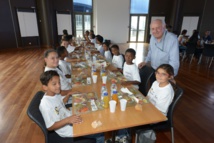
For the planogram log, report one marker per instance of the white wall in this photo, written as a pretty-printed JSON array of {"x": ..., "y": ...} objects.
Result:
[{"x": 111, "y": 19}]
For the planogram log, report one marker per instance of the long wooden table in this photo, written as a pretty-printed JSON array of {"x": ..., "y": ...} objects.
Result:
[{"x": 113, "y": 121}]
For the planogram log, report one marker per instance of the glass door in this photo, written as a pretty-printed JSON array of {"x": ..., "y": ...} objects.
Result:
[
  {"x": 137, "y": 28},
  {"x": 82, "y": 23}
]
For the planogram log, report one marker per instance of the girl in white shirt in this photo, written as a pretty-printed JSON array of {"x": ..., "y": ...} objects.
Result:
[
  {"x": 107, "y": 53},
  {"x": 52, "y": 63},
  {"x": 118, "y": 59},
  {"x": 161, "y": 93}
]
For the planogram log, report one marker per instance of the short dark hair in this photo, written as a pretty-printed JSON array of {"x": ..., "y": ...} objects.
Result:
[
  {"x": 106, "y": 43},
  {"x": 132, "y": 51},
  {"x": 184, "y": 32},
  {"x": 60, "y": 50},
  {"x": 45, "y": 77},
  {"x": 92, "y": 31},
  {"x": 47, "y": 52},
  {"x": 65, "y": 32},
  {"x": 115, "y": 46},
  {"x": 92, "y": 36},
  {"x": 99, "y": 38}
]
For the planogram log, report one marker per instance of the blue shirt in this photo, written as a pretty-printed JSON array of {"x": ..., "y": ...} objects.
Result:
[{"x": 164, "y": 52}]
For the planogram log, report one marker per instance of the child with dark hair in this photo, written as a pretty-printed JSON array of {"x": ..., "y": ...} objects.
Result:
[
  {"x": 86, "y": 35},
  {"x": 130, "y": 70},
  {"x": 52, "y": 62},
  {"x": 107, "y": 53},
  {"x": 63, "y": 65},
  {"x": 98, "y": 45},
  {"x": 118, "y": 59},
  {"x": 52, "y": 107},
  {"x": 161, "y": 93}
]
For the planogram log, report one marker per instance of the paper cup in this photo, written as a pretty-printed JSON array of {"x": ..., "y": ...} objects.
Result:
[
  {"x": 112, "y": 104},
  {"x": 104, "y": 79},
  {"x": 123, "y": 103},
  {"x": 94, "y": 77}
]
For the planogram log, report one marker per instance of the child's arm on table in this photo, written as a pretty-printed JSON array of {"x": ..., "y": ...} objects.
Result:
[
  {"x": 129, "y": 83},
  {"x": 69, "y": 120}
]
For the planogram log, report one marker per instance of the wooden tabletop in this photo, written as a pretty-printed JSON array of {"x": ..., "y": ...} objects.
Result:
[{"x": 113, "y": 121}]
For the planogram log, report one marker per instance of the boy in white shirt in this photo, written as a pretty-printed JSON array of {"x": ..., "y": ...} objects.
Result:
[
  {"x": 130, "y": 70},
  {"x": 107, "y": 54},
  {"x": 118, "y": 59},
  {"x": 52, "y": 107}
]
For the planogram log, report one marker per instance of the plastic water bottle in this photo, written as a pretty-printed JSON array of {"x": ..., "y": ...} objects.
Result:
[
  {"x": 93, "y": 70},
  {"x": 102, "y": 71},
  {"x": 105, "y": 100},
  {"x": 115, "y": 96},
  {"x": 113, "y": 87},
  {"x": 103, "y": 90}
]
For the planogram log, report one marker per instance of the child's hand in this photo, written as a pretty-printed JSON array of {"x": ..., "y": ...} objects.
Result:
[{"x": 74, "y": 119}]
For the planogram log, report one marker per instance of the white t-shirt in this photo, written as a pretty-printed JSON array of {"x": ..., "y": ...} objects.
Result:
[
  {"x": 70, "y": 49},
  {"x": 64, "y": 82},
  {"x": 183, "y": 39},
  {"x": 118, "y": 61},
  {"x": 53, "y": 110},
  {"x": 108, "y": 56},
  {"x": 100, "y": 48},
  {"x": 131, "y": 73},
  {"x": 65, "y": 67},
  {"x": 93, "y": 41},
  {"x": 161, "y": 97}
]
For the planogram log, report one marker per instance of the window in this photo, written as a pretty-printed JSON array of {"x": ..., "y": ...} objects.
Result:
[
  {"x": 83, "y": 6},
  {"x": 83, "y": 16},
  {"x": 139, "y": 6},
  {"x": 138, "y": 19}
]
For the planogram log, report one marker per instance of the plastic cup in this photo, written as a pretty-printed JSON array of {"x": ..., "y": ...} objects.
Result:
[
  {"x": 94, "y": 77},
  {"x": 112, "y": 104},
  {"x": 88, "y": 80},
  {"x": 104, "y": 79},
  {"x": 123, "y": 103}
]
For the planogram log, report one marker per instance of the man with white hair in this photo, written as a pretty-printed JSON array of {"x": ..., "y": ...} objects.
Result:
[{"x": 163, "y": 48}]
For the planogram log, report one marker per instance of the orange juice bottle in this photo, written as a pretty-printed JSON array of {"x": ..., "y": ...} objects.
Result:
[
  {"x": 105, "y": 100},
  {"x": 114, "y": 96}
]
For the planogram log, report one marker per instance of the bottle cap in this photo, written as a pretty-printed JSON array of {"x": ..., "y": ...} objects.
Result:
[
  {"x": 105, "y": 94},
  {"x": 114, "y": 91}
]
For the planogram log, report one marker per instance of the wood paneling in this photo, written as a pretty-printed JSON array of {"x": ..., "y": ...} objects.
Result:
[{"x": 19, "y": 76}]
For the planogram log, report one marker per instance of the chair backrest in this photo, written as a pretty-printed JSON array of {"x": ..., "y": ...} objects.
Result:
[
  {"x": 35, "y": 114},
  {"x": 146, "y": 73},
  {"x": 177, "y": 96},
  {"x": 190, "y": 47},
  {"x": 208, "y": 50}
]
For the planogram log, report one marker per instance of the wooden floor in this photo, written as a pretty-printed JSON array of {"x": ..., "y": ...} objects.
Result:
[{"x": 19, "y": 81}]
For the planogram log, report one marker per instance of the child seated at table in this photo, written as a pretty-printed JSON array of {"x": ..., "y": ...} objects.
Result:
[
  {"x": 52, "y": 107},
  {"x": 130, "y": 70},
  {"x": 161, "y": 93},
  {"x": 98, "y": 45},
  {"x": 118, "y": 59},
  {"x": 65, "y": 43},
  {"x": 107, "y": 54},
  {"x": 52, "y": 63},
  {"x": 63, "y": 65}
]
